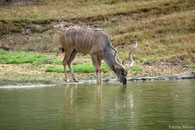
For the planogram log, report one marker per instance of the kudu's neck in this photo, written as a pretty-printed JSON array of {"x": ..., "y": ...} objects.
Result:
[{"x": 110, "y": 59}]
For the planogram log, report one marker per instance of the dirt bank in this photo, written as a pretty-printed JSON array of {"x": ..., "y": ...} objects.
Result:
[
  {"x": 28, "y": 74},
  {"x": 165, "y": 31}
]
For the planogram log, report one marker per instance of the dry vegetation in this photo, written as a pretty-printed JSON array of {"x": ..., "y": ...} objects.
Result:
[{"x": 165, "y": 28}]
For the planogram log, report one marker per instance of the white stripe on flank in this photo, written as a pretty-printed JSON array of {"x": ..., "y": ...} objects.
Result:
[
  {"x": 91, "y": 36},
  {"x": 77, "y": 29},
  {"x": 70, "y": 35},
  {"x": 85, "y": 35},
  {"x": 66, "y": 32}
]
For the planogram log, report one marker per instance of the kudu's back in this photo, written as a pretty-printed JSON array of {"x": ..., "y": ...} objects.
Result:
[{"x": 84, "y": 40}]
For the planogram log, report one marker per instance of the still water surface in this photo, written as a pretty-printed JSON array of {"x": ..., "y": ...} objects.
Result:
[{"x": 140, "y": 105}]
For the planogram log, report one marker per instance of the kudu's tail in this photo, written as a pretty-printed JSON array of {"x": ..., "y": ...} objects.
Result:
[{"x": 60, "y": 49}]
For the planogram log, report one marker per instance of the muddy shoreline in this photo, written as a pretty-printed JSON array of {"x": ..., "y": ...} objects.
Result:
[
  {"x": 28, "y": 74},
  {"x": 189, "y": 75},
  {"x": 165, "y": 33}
]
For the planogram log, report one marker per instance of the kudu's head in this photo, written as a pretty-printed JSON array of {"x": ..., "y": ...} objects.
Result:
[{"x": 120, "y": 70}]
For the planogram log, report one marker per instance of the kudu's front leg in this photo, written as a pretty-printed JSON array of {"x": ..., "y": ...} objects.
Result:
[{"x": 97, "y": 66}]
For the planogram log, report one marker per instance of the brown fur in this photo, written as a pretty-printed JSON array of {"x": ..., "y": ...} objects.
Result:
[{"x": 94, "y": 42}]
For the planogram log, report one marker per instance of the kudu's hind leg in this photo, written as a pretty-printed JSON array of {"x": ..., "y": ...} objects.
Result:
[
  {"x": 65, "y": 60},
  {"x": 97, "y": 65},
  {"x": 72, "y": 56}
]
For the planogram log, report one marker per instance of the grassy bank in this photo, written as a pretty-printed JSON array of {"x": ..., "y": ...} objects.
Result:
[
  {"x": 69, "y": 10},
  {"x": 51, "y": 71},
  {"x": 37, "y": 59},
  {"x": 20, "y": 57},
  {"x": 80, "y": 68},
  {"x": 165, "y": 28}
]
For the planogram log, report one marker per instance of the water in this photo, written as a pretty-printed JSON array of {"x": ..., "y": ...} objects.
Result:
[{"x": 140, "y": 105}]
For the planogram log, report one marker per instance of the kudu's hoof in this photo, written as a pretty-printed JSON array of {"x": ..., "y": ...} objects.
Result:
[
  {"x": 75, "y": 80},
  {"x": 66, "y": 80}
]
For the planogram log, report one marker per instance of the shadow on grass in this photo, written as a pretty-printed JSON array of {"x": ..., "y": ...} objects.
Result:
[{"x": 24, "y": 82}]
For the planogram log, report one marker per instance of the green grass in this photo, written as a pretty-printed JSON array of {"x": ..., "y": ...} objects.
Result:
[
  {"x": 86, "y": 68},
  {"x": 79, "y": 68},
  {"x": 87, "y": 56},
  {"x": 141, "y": 59},
  {"x": 54, "y": 69},
  {"x": 137, "y": 68},
  {"x": 19, "y": 57},
  {"x": 191, "y": 65}
]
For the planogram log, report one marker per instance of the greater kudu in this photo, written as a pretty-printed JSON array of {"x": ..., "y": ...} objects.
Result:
[{"x": 96, "y": 43}]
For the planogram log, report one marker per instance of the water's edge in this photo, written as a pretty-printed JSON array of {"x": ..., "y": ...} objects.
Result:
[{"x": 189, "y": 75}]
